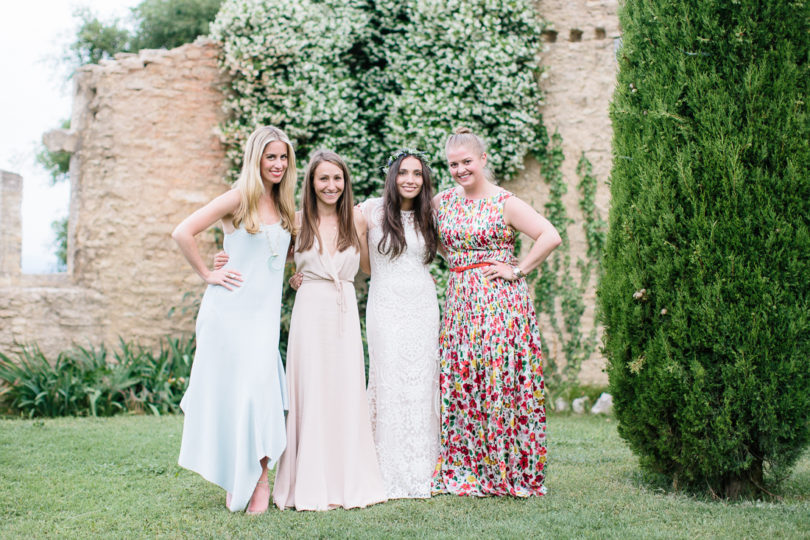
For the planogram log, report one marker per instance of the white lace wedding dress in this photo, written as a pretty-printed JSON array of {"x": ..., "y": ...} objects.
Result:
[{"x": 402, "y": 326}]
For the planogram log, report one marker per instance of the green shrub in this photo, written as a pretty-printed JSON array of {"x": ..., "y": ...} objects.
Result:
[
  {"x": 94, "y": 382},
  {"x": 705, "y": 288}
]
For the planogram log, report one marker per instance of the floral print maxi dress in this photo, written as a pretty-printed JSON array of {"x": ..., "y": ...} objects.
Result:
[{"x": 493, "y": 419}]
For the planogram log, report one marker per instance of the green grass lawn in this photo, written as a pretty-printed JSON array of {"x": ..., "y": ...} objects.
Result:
[{"x": 118, "y": 478}]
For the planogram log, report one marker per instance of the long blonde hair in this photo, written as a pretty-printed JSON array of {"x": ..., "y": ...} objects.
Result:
[
  {"x": 251, "y": 187},
  {"x": 347, "y": 234}
]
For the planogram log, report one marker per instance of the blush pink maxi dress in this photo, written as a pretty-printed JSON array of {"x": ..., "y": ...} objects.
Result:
[{"x": 330, "y": 460}]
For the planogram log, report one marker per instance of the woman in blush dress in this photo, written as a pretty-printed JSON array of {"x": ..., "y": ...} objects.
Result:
[
  {"x": 491, "y": 376},
  {"x": 330, "y": 459},
  {"x": 234, "y": 405}
]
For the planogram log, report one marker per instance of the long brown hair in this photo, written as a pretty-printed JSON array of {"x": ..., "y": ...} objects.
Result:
[
  {"x": 347, "y": 234},
  {"x": 251, "y": 187},
  {"x": 393, "y": 242}
]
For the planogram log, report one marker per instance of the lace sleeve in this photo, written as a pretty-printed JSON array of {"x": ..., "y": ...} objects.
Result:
[{"x": 368, "y": 208}]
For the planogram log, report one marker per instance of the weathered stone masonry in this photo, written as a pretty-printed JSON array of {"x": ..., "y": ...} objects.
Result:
[
  {"x": 146, "y": 154},
  {"x": 579, "y": 80}
]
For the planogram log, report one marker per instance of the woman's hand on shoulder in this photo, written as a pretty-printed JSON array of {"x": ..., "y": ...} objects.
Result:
[{"x": 436, "y": 200}]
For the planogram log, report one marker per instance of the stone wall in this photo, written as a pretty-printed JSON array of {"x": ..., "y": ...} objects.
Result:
[
  {"x": 579, "y": 78},
  {"x": 146, "y": 154}
]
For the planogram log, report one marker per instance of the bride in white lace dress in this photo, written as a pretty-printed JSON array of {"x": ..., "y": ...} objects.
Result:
[{"x": 402, "y": 328}]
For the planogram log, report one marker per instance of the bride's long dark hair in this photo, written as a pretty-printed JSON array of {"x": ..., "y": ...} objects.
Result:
[{"x": 393, "y": 243}]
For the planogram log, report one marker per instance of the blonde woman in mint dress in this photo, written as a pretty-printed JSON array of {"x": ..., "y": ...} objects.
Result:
[
  {"x": 234, "y": 405},
  {"x": 493, "y": 421}
]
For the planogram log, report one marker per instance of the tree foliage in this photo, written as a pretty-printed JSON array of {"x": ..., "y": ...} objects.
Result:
[
  {"x": 58, "y": 166},
  {"x": 171, "y": 23},
  {"x": 96, "y": 39},
  {"x": 152, "y": 24},
  {"x": 705, "y": 294},
  {"x": 60, "y": 242},
  {"x": 56, "y": 163}
]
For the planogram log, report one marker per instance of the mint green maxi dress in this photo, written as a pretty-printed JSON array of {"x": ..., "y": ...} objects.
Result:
[{"x": 236, "y": 397}]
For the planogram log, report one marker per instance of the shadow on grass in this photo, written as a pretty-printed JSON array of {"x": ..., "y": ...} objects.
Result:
[{"x": 796, "y": 486}]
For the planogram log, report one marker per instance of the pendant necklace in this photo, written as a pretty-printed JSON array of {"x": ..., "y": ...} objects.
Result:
[{"x": 274, "y": 262}]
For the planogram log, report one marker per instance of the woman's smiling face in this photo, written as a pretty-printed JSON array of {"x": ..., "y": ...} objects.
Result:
[
  {"x": 409, "y": 178},
  {"x": 328, "y": 183},
  {"x": 466, "y": 166},
  {"x": 274, "y": 162}
]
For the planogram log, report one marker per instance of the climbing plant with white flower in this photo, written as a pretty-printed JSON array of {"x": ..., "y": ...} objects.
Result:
[
  {"x": 288, "y": 63},
  {"x": 367, "y": 77}
]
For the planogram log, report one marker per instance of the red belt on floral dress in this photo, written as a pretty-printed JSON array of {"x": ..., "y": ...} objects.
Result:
[{"x": 470, "y": 266}]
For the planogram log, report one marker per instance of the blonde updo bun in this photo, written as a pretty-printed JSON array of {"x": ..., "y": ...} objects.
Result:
[{"x": 463, "y": 136}]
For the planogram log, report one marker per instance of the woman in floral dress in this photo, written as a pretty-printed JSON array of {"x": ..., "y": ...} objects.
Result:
[{"x": 491, "y": 376}]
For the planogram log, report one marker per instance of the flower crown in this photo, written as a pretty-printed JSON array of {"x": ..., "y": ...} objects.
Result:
[{"x": 406, "y": 152}]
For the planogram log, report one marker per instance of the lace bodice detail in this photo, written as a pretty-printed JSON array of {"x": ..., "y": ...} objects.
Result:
[{"x": 410, "y": 260}]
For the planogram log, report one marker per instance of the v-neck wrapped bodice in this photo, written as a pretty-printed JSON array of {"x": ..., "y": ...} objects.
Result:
[
  {"x": 340, "y": 266},
  {"x": 330, "y": 270},
  {"x": 330, "y": 459}
]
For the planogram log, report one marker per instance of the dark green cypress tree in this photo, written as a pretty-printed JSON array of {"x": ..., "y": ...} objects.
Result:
[{"x": 706, "y": 280}]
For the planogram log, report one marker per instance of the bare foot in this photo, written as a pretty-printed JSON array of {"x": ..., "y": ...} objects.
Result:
[{"x": 260, "y": 499}]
